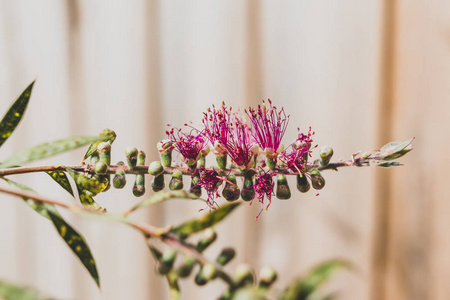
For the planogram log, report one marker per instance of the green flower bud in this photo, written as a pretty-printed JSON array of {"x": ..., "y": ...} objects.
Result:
[
  {"x": 185, "y": 269},
  {"x": 302, "y": 183},
  {"x": 267, "y": 276},
  {"x": 119, "y": 180},
  {"x": 201, "y": 161},
  {"x": 271, "y": 163},
  {"x": 317, "y": 181},
  {"x": 165, "y": 148},
  {"x": 108, "y": 185},
  {"x": 101, "y": 168},
  {"x": 176, "y": 183},
  {"x": 248, "y": 191},
  {"x": 199, "y": 279},
  {"x": 243, "y": 275},
  {"x": 139, "y": 185},
  {"x": 326, "y": 153},
  {"x": 140, "y": 158},
  {"x": 166, "y": 261},
  {"x": 222, "y": 161},
  {"x": 226, "y": 295},
  {"x": 155, "y": 168},
  {"x": 208, "y": 237},
  {"x": 94, "y": 158},
  {"x": 158, "y": 183},
  {"x": 131, "y": 154},
  {"x": 231, "y": 191},
  {"x": 283, "y": 190},
  {"x": 104, "y": 151},
  {"x": 225, "y": 256},
  {"x": 209, "y": 272},
  {"x": 195, "y": 189}
]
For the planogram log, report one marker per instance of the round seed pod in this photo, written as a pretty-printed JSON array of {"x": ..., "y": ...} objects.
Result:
[
  {"x": 139, "y": 183},
  {"x": 243, "y": 275},
  {"x": 166, "y": 261},
  {"x": 155, "y": 168},
  {"x": 158, "y": 183},
  {"x": 225, "y": 256},
  {"x": 283, "y": 191},
  {"x": 131, "y": 154},
  {"x": 302, "y": 183},
  {"x": 101, "y": 168},
  {"x": 267, "y": 276},
  {"x": 317, "y": 181},
  {"x": 325, "y": 153},
  {"x": 119, "y": 180},
  {"x": 176, "y": 182},
  {"x": 195, "y": 189},
  {"x": 104, "y": 151},
  {"x": 248, "y": 190},
  {"x": 185, "y": 269},
  {"x": 231, "y": 191},
  {"x": 209, "y": 272},
  {"x": 208, "y": 237}
]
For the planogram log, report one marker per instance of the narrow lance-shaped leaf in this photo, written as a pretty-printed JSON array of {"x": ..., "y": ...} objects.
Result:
[
  {"x": 111, "y": 136},
  {"x": 302, "y": 288},
  {"x": 61, "y": 178},
  {"x": 163, "y": 196},
  {"x": 395, "y": 150},
  {"x": 76, "y": 242},
  {"x": 70, "y": 235},
  {"x": 14, "y": 114},
  {"x": 204, "y": 222},
  {"x": 9, "y": 291},
  {"x": 49, "y": 149},
  {"x": 88, "y": 188}
]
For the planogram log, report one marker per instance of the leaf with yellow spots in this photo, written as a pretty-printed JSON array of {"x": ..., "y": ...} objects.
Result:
[
  {"x": 204, "y": 222},
  {"x": 77, "y": 244},
  {"x": 49, "y": 149},
  {"x": 74, "y": 240},
  {"x": 88, "y": 187},
  {"x": 61, "y": 178},
  {"x": 14, "y": 114}
]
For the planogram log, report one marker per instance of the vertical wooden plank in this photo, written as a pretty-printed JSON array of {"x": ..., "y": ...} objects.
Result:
[{"x": 418, "y": 266}]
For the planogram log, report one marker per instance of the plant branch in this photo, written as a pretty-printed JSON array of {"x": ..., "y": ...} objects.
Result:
[
  {"x": 88, "y": 168},
  {"x": 162, "y": 234}
]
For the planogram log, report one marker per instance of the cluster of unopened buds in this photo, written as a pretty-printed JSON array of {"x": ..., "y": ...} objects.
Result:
[{"x": 247, "y": 145}]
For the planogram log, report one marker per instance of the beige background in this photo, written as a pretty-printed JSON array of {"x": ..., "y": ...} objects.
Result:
[{"x": 361, "y": 73}]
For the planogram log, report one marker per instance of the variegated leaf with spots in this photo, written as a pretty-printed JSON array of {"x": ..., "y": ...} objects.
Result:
[{"x": 14, "y": 114}]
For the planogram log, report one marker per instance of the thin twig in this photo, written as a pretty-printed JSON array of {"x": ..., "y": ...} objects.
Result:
[{"x": 162, "y": 234}]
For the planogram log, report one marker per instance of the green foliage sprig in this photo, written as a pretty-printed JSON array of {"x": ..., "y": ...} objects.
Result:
[{"x": 245, "y": 143}]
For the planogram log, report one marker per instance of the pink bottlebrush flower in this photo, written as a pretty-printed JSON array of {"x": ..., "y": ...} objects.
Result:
[
  {"x": 217, "y": 127},
  {"x": 263, "y": 187},
  {"x": 241, "y": 147},
  {"x": 268, "y": 128},
  {"x": 229, "y": 134},
  {"x": 189, "y": 145},
  {"x": 210, "y": 181},
  {"x": 296, "y": 159}
]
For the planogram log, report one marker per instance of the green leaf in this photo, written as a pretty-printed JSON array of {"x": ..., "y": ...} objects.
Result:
[
  {"x": 395, "y": 150},
  {"x": 49, "y": 149},
  {"x": 61, "y": 178},
  {"x": 14, "y": 114},
  {"x": 88, "y": 187},
  {"x": 110, "y": 136},
  {"x": 163, "y": 196},
  {"x": 9, "y": 291},
  {"x": 302, "y": 288},
  {"x": 70, "y": 236},
  {"x": 204, "y": 222},
  {"x": 76, "y": 242}
]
